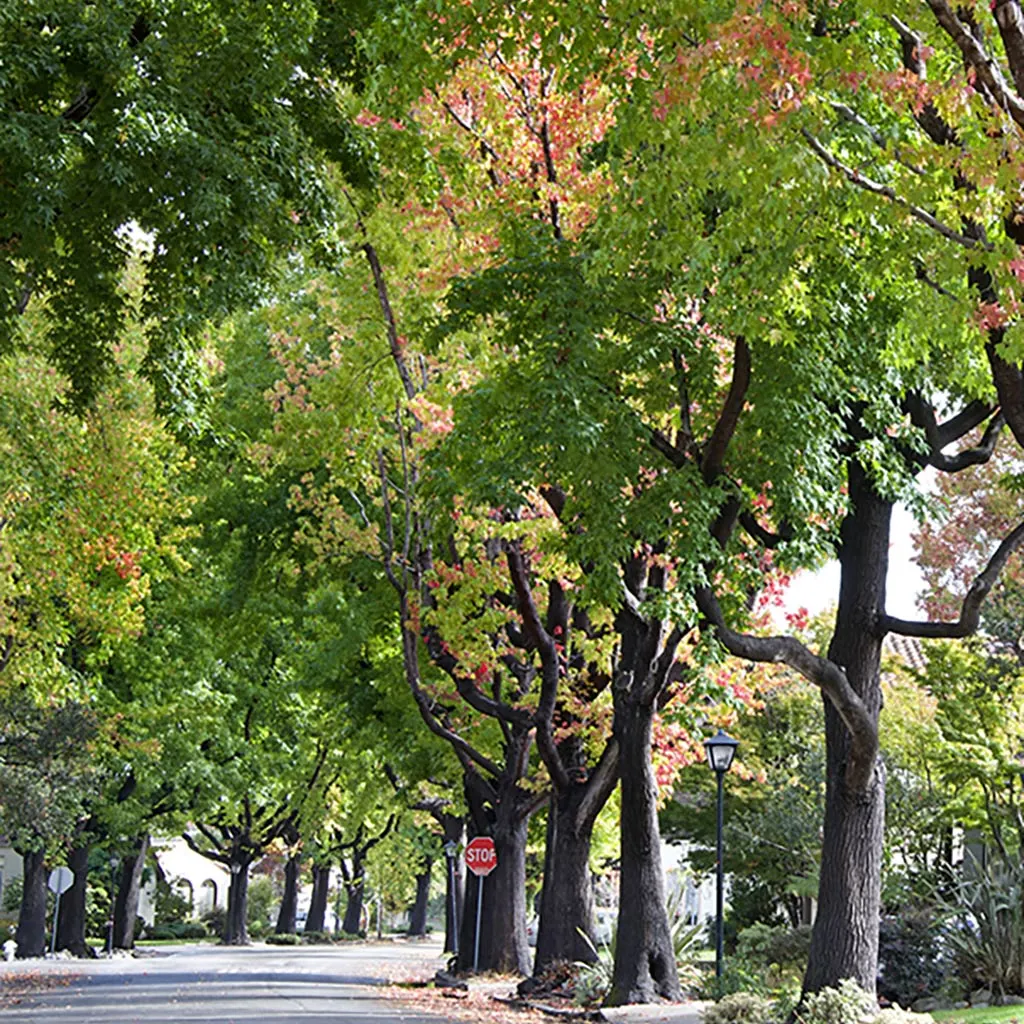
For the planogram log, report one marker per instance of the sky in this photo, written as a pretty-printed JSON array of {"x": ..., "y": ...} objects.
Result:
[{"x": 815, "y": 591}]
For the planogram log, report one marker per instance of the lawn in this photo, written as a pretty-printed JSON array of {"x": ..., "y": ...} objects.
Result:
[{"x": 981, "y": 1015}]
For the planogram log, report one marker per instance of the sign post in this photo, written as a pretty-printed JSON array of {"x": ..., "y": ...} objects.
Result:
[
  {"x": 61, "y": 879},
  {"x": 481, "y": 859}
]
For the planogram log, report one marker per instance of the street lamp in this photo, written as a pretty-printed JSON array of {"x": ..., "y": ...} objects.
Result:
[
  {"x": 450, "y": 849},
  {"x": 721, "y": 749},
  {"x": 113, "y": 861}
]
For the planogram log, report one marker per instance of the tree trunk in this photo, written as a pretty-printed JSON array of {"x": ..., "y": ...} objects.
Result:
[
  {"x": 31, "y": 931},
  {"x": 353, "y": 904},
  {"x": 71, "y": 915},
  {"x": 318, "y": 900},
  {"x": 844, "y": 941},
  {"x": 454, "y": 831},
  {"x": 503, "y": 944},
  {"x": 290, "y": 900},
  {"x": 645, "y": 963},
  {"x": 418, "y": 911},
  {"x": 567, "y": 899},
  {"x": 126, "y": 906},
  {"x": 236, "y": 924}
]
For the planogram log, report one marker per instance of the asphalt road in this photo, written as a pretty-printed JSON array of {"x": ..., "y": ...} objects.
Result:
[{"x": 216, "y": 985}]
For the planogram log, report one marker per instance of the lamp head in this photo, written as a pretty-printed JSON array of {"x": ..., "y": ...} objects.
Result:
[{"x": 720, "y": 749}]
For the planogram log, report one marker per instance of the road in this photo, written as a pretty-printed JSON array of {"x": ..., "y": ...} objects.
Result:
[{"x": 208, "y": 984}]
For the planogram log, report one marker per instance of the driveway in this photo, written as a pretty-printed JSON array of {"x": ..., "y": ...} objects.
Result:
[{"x": 208, "y": 984}]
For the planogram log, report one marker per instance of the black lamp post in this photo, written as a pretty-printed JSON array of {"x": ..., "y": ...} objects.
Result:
[
  {"x": 450, "y": 849},
  {"x": 721, "y": 750},
  {"x": 113, "y": 861}
]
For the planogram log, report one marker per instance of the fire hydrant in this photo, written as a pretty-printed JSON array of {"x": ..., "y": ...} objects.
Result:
[{"x": 10, "y": 948}]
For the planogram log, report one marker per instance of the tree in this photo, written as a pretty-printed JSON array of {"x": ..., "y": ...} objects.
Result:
[
  {"x": 46, "y": 780},
  {"x": 91, "y": 162}
]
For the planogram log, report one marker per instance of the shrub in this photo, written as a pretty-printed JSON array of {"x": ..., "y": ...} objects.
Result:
[
  {"x": 12, "y": 894},
  {"x": 161, "y": 931},
  {"x": 170, "y": 905},
  {"x": 790, "y": 947},
  {"x": 593, "y": 980},
  {"x": 910, "y": 961},
  {"x": 739, "y": 1008},
  {"x": 258, "y": 930},
  {"x": 316, "y": 938},
  {"x": 987, "y": 936},
  {"x": 261, "y": 899},
  {"x": 284, "y": 939},
  {"x": 847, "y": 1004},
  {"x": 215, "y": 920}
]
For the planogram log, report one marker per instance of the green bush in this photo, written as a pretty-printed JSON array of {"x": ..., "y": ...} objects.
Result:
[
  {"x": 215, "y": 920},
  {"x": 847, "y": 1004},
  {"x": 316, "y": 938},
  {"x": 285, "y": 939},
  {"x": 259, "y": 930},
  {"x": 986, "y": 932},
  {"x": 12, "y": 894},
  {"x": 739, "y": 1008},
  {"x": 170, "y": 906},
  {"x": 260, "y": 899},
  {"x": 910, "y": 960},
  {"x": 161, "y": 932}
]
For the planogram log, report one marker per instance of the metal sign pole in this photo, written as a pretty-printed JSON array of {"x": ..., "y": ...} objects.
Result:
[
  {"x": 479, "y": 910},
  {"x": 53, "y": 934},
  {"x": 455, "y": 907}
]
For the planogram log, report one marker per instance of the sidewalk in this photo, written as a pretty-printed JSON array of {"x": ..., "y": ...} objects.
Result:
[{"x": 480, "y": 1001}]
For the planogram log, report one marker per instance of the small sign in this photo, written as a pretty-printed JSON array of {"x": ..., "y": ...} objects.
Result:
[
  {"x": 481, "y": 857},
  {"x": 61, "y": 879}
]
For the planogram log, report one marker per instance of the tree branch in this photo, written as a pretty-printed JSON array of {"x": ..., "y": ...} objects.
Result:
[
  {"x": 917, "y": 212},
  {"x": 825, "y": 674},
  {"x": 970, "y": 610},
  {"x": 975, "y": 56},
  {"x": 714, "y": 454}
]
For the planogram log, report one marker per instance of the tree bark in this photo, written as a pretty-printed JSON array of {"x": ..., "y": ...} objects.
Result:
[
  {"x": 236, "y": 924},
  {"x": 290, "y": 899},
  {"x": 71, "y": 915},
  {"x": 126, "y": 906},
  {"x": 353, "y": 904},
  {"x": 567, "y": 899},
  {"x": 504, "y": 947},
  {"x": 31, "y": 931},
  {"x": 318, "y": 900},
  {"x": 844, "y": 942},
  {"x": 418, "y": 911},
  {"x": 645, "y": 963}
]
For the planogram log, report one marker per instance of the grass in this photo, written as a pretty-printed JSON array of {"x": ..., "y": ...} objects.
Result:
[{"x": 981, "y": 1015}]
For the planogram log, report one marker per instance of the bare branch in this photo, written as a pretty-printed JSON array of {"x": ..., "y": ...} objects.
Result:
[
  {"x": 825, "y": 674},
  {"x": 970, "y": 610}
]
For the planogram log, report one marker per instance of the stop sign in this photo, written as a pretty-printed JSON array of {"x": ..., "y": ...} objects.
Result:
[{"x": 481, "y": 857}]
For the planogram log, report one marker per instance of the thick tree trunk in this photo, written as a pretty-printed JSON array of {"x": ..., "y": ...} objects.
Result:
[
  {"x": 844, "y": 941},
  {"x": 454, "y": 882},
  {"x": 71, "y": 915},
  {"x": 645, "y": 963},
  {"x": 567, "y": 900},
  {"x": 236, "y": 924},
  {"x": 418, "y": 911},
  {"x": 353, "y": 905},
  {"x": 318, "y": 900},
  {"x": 290, "y": 899},
  {"x": 126, "y": 906},
  {"x": 31, "y": 931},
  {"x": 504, "y": 947}
]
